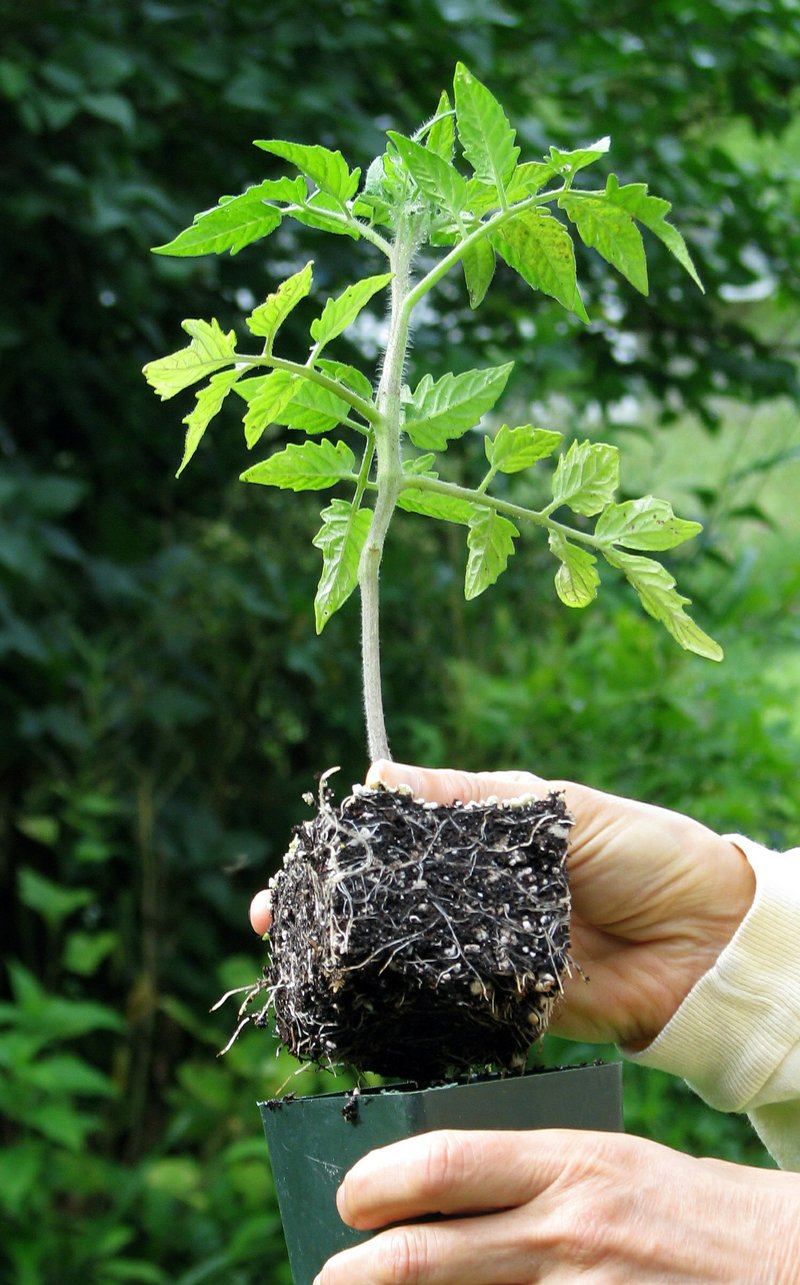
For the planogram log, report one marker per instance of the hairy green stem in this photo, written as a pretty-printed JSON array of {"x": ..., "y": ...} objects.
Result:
[
  {"x": 362, "y": 479},
  {"x": 388, "y": 482},
  {"x": 387, "y": 426}
]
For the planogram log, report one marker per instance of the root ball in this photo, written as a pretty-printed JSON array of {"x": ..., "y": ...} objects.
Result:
[{"x": 416, "y": 940}]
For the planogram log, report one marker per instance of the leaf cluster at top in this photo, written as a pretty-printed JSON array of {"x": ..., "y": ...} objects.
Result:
[
  {"x": 419, "y": 174},
  {"x": 496, "y": 207}
]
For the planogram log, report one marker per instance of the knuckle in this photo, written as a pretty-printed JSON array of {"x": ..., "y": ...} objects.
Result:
[
  {"x": 525, "y": 780},
  {"x": 443, "y": 1165},
  {"x": 579, "y": 1235},
  {"x": 592, "y": 1205},
  {"x": 589, "y": 1241},
  {"x": 456, "y": 784},
  {"x": 403, "y": 1256}
]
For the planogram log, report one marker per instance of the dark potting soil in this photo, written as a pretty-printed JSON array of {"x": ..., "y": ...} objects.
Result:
[{"x": 418, "y": 940}]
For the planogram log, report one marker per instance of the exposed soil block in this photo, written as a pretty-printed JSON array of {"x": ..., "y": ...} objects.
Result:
[{"x": 417, "y": 940}]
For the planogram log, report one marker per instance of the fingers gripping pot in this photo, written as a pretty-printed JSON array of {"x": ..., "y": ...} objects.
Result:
[
  {"x": 419, "y": 940},
  {"x": 313, "y": 1141}
]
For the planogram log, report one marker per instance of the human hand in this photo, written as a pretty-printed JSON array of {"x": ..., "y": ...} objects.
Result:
[
  {"x": 656, "y": 896},
  {"x": 558, "y": 1205}
]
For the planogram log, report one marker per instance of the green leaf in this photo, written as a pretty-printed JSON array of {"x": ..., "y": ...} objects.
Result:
[
  {"x": 63, "y": 1073},
  {"x": 449, "y": 407},
  {"x": 660, "y": 599},
  {"x": 210, "y": 349},
  {"x": 44, "y": 829},
  {"x": 373, "y": 208},
  {"x": 491, "y": 544},
  {"x": 56, "y": 1019},
  {"x": 61, "y": 1123},
  {"x": 441, "y": 137},
  {"x": 209, "y": 403},
  {"x": 341, "y": 312},
  {"x": 514, "y": 449},
  {"x": 374, "y": 177},
  {"x": 290, "y": 190},
  {"x": 325, "y": 214},
  {"x": 21, "y": 1164},
  {"x": 568, "y": 163},
  {"x": 384, "y": 189},
  {"x": 327, "y": 170},
  {"x": 112, "y": 108},
  {"x": 49, "y": 899},
  {"x": 352, "y": 378},
  {"x": 651, "y": 211},
  {"x": 443, "y": 232},
  {"x": 610, "y": 231},
  {"x": 647, "y": 523},
  {"x": 587, "y": 477},
  {"x": 268, "y": 317},
  {"x": 487, "y": 139},
  {"x": 478, "y": 263},
  {"x": 341, "y": 538},
  {"x": 275, "y": 391},
  {"x": 434, "y": 504},
  {"x": 232, "y": 224},
  {"x": 528, "y": 179},
  {"x": 540, "y": 249},
  {"x": 576, "y": 579},
  {"x": 312, "y": 409},
  {"x": 138, "y": 1272},
  {"x": 248, "y": 388},
  {"x": 437, "y": 179},
  {"x": 482, "y": 197},
  {"x": 85, "y": 951},
  {"x": 420, "y": 464},
  {"x": 310, "y": 467}
]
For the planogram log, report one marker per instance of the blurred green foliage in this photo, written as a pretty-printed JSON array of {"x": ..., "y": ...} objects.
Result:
[{"x": 165, "y": 701}]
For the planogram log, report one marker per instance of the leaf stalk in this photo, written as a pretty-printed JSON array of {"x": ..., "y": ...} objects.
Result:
[
  {"x": 539, "y": 517},
  {"x": 367, "y": 410}
]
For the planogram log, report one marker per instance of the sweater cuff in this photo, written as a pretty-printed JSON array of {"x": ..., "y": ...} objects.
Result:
[{"x": 742, "y": 1018}]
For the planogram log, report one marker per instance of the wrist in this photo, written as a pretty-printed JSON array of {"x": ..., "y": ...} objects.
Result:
[
  {"x": 729, "y": 902},
  {"x": 713, "y": 913},
  {"x": 730, "y": 1037}
]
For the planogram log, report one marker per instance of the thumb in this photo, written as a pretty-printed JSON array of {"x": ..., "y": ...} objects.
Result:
[
  {"x": 446, "y": 785},
  {"x": 261, "y": 912}
]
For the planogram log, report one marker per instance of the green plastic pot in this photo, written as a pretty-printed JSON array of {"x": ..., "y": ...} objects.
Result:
[{"x": 314, "y": 1141}]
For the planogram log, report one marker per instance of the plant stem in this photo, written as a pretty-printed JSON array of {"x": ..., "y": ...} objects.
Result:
[
  {"x": 539, "y": 517},
  {"x": 444, "y": 265},
  {"x": 364, "y": 408},
  {"x": 348, "y": 220},
  {"x": 389, "y": 477},
  {"x": 387, "y": 427}
]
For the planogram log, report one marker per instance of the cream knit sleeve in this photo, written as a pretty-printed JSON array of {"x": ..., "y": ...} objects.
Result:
[{"x": 736, "y": 1037}]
